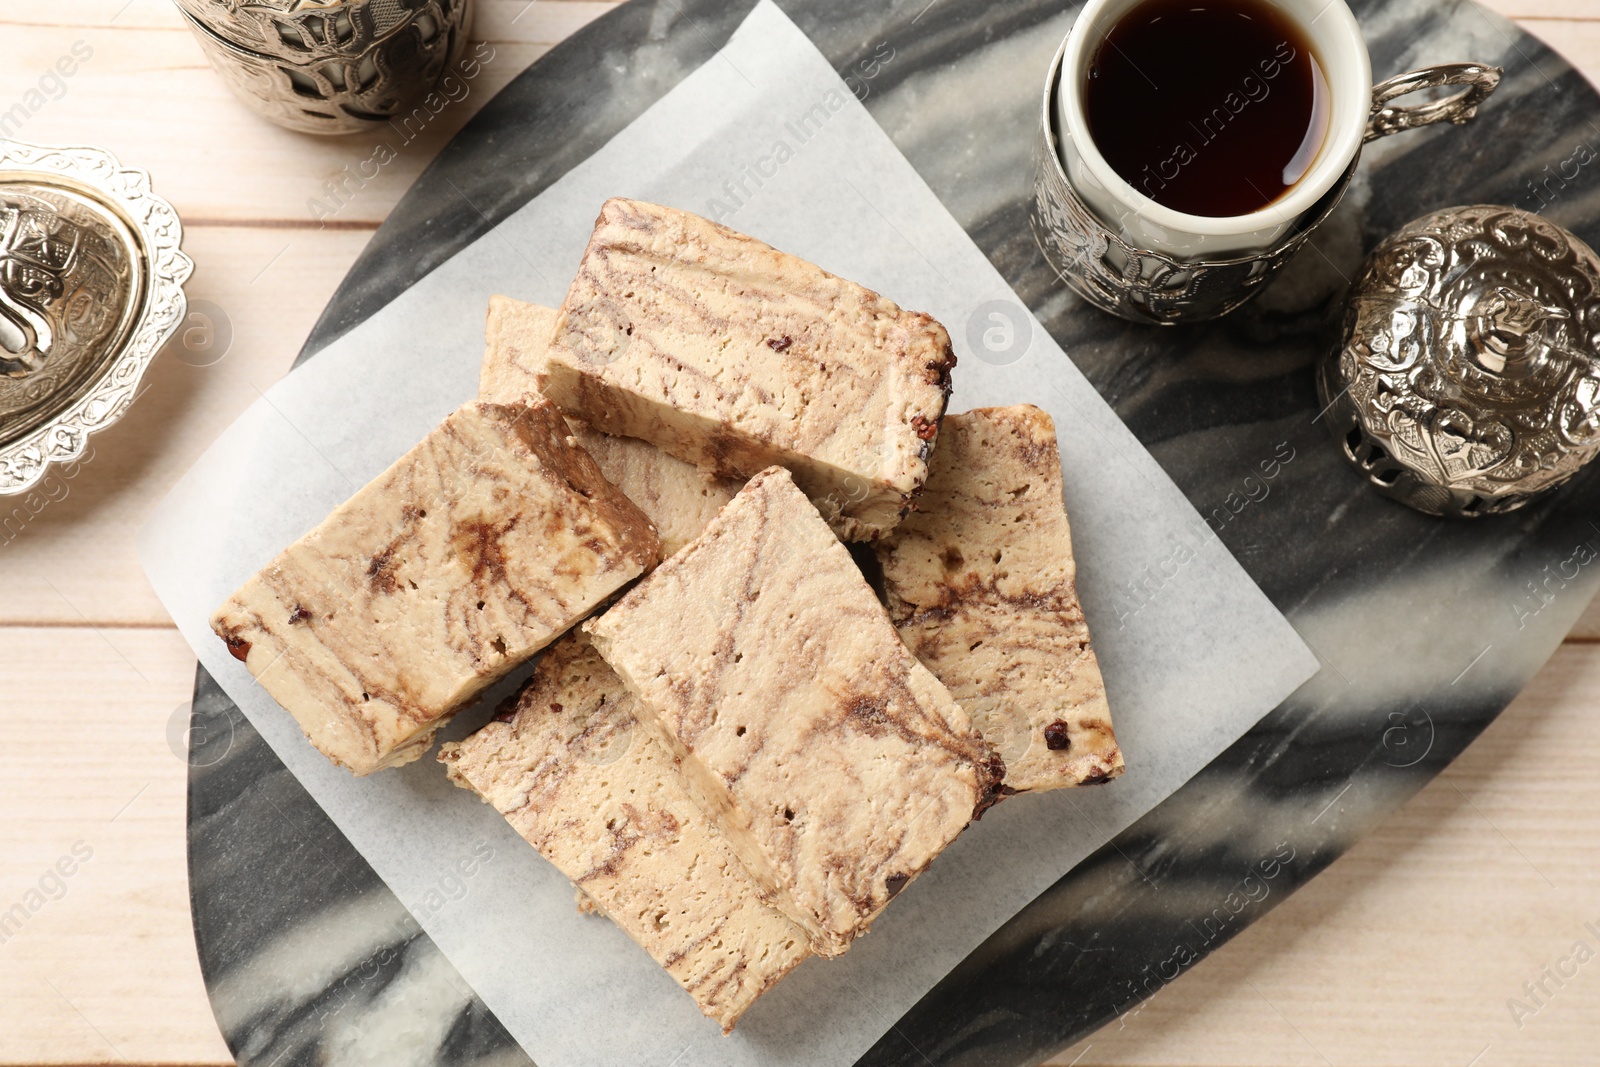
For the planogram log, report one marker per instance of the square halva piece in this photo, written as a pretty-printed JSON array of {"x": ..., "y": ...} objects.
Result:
[
  {"x": 568, "y": 766},
  {"x": 734, "y": 356},
  {"x": 679, "y": 497},
  {"x": 979, "y": 583},
  {"x": 476, "y": 549},
  {"x": 836, "y": 764}
]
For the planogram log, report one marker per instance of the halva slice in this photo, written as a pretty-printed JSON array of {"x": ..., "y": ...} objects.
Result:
[
  {"x": 476, "y": 549},
  {"x": 516, "y": 338},
  {"x": 679, "y": 497},
  {"x": 568, "y": 767},
  {"x": 837, "y": 766},
  {"x": 734, "y": 356},
  {"x": 980, "y": 584}
]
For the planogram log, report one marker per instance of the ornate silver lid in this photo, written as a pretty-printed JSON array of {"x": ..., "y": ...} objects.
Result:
[
  {"x": 1468, "y": 378},
  {"x": 91, "y": 287},
  {"x": 331, "y": 66}
]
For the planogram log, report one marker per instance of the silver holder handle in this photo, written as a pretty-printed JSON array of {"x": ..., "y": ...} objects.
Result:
[{"x": 1480, "y": 80}]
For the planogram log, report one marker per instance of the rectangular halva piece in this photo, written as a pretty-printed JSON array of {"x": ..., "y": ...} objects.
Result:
[
  {"x": 980, "y": 584},
  {"x": 516, "y": 338},
  {"x": 836, "y": 764},
  {"x": 679, "y": 497},
  {"x": 476, "y": 549},
  {"x": 734, "y": 356},
  {"x": 570, "y": 769}
]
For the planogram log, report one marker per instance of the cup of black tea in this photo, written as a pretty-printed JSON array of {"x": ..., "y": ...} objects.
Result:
[
  {"x": 1205, "y": 127},
  {"x": 1188, "y": 147}
]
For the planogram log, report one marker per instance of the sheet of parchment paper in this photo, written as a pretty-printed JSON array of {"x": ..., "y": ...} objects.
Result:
[{"x": 1189, "y": 665}]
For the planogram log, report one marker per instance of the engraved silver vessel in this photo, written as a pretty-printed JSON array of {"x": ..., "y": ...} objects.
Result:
[
  {"x": 1142, "y": 285},
  {"x": 1468, "y": 378},
  {"x": 330, "y": 66},
  {"x": 91, "y": 287}
]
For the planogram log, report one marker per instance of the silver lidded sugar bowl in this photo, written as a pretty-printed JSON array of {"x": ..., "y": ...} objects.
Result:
[
  {"x": 1468, "y": 377},
  {"x": 330, "y": 66}
]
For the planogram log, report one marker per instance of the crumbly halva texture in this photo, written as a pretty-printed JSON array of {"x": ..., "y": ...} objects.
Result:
[
  {"x": 568, "y": 767},
  {"x": 734, "y": 356},
  {"x": 585, "y": 903},
  {"x": 516, "y": 338},
  {"x": 475, "y": 550},
  {"x": 679, "y": 497},
  {"x": 836, "y": 764},
  {"x": 980, "y": 584}
]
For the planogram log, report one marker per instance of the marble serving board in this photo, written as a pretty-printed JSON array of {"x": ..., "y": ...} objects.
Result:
[{"x": 1425, "y": 629}]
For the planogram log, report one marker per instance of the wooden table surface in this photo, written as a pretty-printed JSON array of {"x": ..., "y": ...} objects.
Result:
[{"x": 1450, "y": 936}]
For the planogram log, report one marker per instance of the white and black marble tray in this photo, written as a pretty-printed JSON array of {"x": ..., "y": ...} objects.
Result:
[{"x": 1425, "y": 629}]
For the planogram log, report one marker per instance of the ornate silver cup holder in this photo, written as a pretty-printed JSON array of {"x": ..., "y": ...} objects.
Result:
[
  {"x": 331, "y": 66},
  {"x": 1146, "y": 286}
]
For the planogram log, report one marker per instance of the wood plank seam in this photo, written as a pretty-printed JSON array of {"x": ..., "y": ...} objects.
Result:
[{"x": 288, "y": 222}]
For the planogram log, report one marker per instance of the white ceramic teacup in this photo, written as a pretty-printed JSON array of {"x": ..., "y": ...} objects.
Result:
[{"x": 1339, "y": 49}]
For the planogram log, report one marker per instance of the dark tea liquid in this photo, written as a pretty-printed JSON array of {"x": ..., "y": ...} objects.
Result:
[{"x": 1210, "y": 107}]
